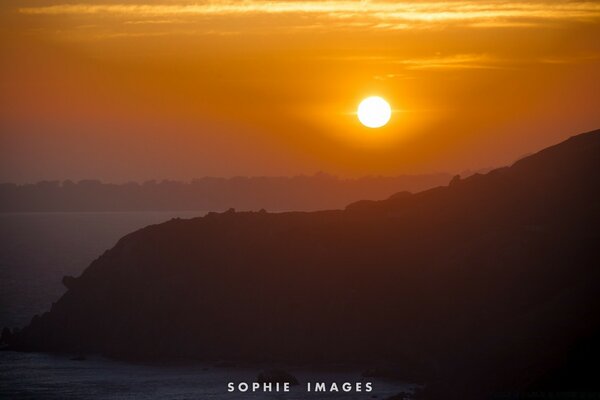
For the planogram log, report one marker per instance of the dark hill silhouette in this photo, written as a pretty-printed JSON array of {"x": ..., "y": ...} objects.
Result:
[{"x": 484, "y": 286}]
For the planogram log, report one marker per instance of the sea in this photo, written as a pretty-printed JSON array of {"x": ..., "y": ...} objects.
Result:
[{"x": 38, "y": 249}]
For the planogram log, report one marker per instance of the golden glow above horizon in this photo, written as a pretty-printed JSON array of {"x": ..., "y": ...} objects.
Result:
[{"x": 274, "y": 85}]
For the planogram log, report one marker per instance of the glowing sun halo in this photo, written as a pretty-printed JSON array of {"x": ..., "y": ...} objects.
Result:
[{"x": 374, "y": 112}]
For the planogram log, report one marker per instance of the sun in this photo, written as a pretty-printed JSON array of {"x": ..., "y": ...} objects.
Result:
[{"x": 374, "y": 112}]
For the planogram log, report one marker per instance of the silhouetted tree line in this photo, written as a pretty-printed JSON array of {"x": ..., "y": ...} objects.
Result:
[{"x": 319, "y": 191}]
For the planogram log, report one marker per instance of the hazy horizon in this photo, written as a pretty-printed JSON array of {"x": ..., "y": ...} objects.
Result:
[
  {"x": 306, "y": 193},
  {"x": 317, "y": 174}
]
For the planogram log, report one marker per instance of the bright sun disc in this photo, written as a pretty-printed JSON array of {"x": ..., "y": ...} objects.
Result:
[{"x": 374, "y": 112}]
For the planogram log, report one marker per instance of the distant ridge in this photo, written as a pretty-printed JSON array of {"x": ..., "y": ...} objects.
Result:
[{"x": 317, "y": 192}]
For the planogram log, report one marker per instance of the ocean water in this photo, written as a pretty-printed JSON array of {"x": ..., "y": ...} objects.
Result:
[{"x": 38, "y": 249}]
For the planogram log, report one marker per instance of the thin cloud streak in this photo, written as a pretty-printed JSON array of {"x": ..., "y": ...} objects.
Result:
[
  {"x": 471, "y": 61},
  {"x": 387, "y": 15}
]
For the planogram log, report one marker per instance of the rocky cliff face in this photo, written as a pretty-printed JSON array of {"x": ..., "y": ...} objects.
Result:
[{"x": 488, "y": 284}]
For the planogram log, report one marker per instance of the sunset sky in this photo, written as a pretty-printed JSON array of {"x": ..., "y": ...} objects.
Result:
[{"x": 124, "y": 90}]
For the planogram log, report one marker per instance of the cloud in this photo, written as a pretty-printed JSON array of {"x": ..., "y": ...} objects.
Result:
[
  {"x": 575, "y": 59},
  {"x": 458, "y": 61},
  {"x": 374, "y": 14},
  {"x": 473, "y": 61}
]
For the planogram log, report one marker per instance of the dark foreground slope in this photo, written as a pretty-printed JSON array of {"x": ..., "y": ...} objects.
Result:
[{"x": 487, "y": 285}]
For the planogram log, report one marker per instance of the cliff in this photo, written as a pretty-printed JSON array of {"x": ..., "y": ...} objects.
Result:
[{"x": 486, "y": 285}]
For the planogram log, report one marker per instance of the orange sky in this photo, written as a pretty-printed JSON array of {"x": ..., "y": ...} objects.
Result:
[{"x": 132, "y": 90}]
